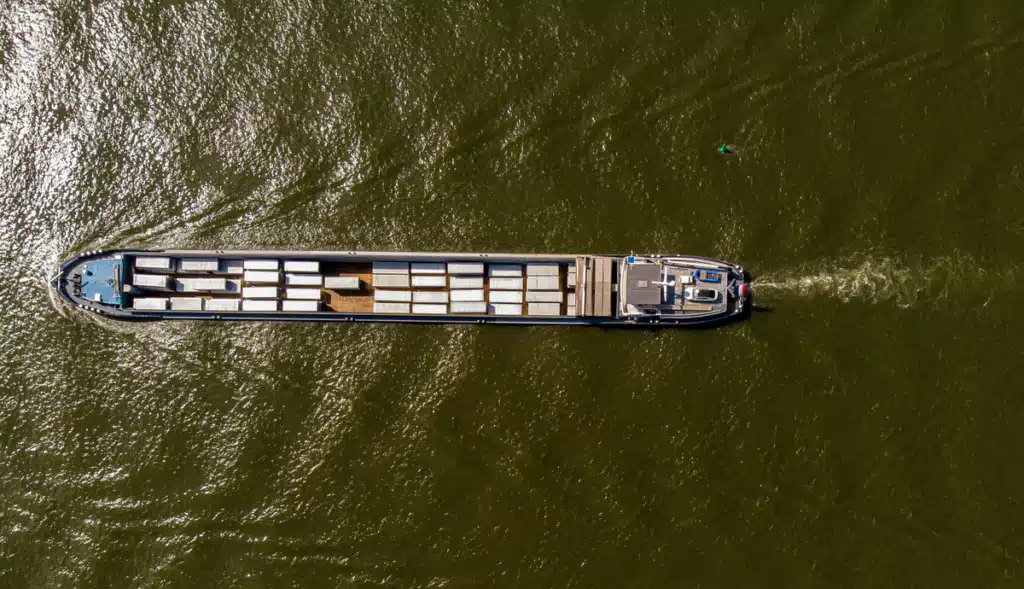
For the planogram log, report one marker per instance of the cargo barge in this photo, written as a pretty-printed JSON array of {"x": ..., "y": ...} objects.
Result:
[{"x": 500, "y": 288}]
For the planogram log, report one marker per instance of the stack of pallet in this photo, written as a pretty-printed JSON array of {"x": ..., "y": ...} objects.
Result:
[
  {"x": 391, "y": 287},
  {"x": 260, "y": 290},
  {"x": 596, "y": 292},
  {"x": 543, "y": 291},
  {"x": 157, "y": 281},
  {"x": 303, "y": 284},
  {"x": 428, "y": 282},
  {"x": 466, "y": 284},
  {"x": 212, "y": 270},
  {"x": 570, "y": 286},
  {"x": 506, "y": 289}
]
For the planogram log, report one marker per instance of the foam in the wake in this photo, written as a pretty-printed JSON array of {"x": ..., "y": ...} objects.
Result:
[{"x": 895, "y": 279}]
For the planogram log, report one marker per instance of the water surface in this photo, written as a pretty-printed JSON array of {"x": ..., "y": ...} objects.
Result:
[{"x": 862, "y": 434}]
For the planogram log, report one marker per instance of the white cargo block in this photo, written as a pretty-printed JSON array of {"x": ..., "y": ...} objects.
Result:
[
  {"x": 506, "y": 284},
  {"x": 186, "y": 303},
  {"x": 154, "y": 264},
  {"x": 392, "y": 296},
  {"x": 231, "y": 267},
  {"x": 685, "y": 279},
  {"x": 259, "y": 292},
  {"x": 198, "y": 265},
  {"x": 422, "y": 309},
  {"x": 221, "y": 304},
  {"x": 506, "y": 296},
  {"x": 466, "y": 282},
  {"x": 305, "y": 294},
  {"x": 150, "y": 281},
  {"x": 300, "y": 306},
  {"x": 259, "y": 305},
  {"x": 390, "y": 307},
  {"x": 391, "y": 280},
  {"x": 428, "y": 267},
  {"x": 544, "y": 296},
  {"x": 264, "y": 276},
  {"x": 342, "y": 282},
  {"x": 544, "y": 309},
  {"x": 542, "y": 269},
  {"x": 262, "y": 265},
  {"x": 472, "y": 268},
  {"x": 469, "y": 307},
  {"x": 570, "y": 276},
  {"x": 430, "y": 297},
  {"x": 149, "y": 304},
  {"x": 429, "y": 281},
  {"x": 303, "y": 280},
  {"x": 505, "y": 309},
  {"x": 542, "y": 283},
  {"x": 505, "y": 270},
  {"x": 201, "y": 284},
  {"x": 570, "y": 310},
  {"x": 467, "y": 295},
  {"x": 391, "y": 267},
  {"x": 308, "y": 266}
]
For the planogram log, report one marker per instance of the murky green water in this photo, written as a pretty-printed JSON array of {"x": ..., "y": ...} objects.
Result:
[{"x": 866, "y": 433}]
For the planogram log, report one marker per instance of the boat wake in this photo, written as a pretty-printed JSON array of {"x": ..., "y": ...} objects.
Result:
[{"x": 887, "y": 279}]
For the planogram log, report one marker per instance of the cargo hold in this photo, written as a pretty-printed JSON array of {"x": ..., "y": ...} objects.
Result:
[{"x": 654, "y": 290}]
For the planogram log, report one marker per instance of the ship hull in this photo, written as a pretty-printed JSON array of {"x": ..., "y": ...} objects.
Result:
[{"x": 585, "y": 296}]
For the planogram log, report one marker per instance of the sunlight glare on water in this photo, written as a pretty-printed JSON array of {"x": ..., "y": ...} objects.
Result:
[{"x": 856, "y": 431}]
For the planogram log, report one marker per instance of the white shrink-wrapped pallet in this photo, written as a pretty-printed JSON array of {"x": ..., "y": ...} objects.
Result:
[
  {"x": 429, "y": 281},
  {"x": 506, "y": 283},
  {"x": 392, "y": 296},
  {"x": 466, "y": 295},
  {"x": 428, "y": 268},
  {"x": 342, "y": 282},
  {"x": 300, "y": 306},
  {"x": 457, "y": 282},
  {"x": 466, "y": 268},
  {"x": 469, "y": 307},
  {"x": 149, "y": 304},
  {"x": 391, "y": 267},
  {"x": 221, "y": 305},
  {"x": 542, "y": 269},
  {"x": 390, "y": 307},
  {"x": 505, "y": 270},
  {"x": 546, "y": 309},
  {"x": 427, "y": 309},
  {"x": 506, "y": 296},
  {"x": 391, "y": 281},
  {"x": 304, "y": 266},
  {"x": 430, "y": 297},
  {"x": 259, "y": 305},
  {"x": 186, "y": 303},
  {"x": 261, "y": 265}
]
